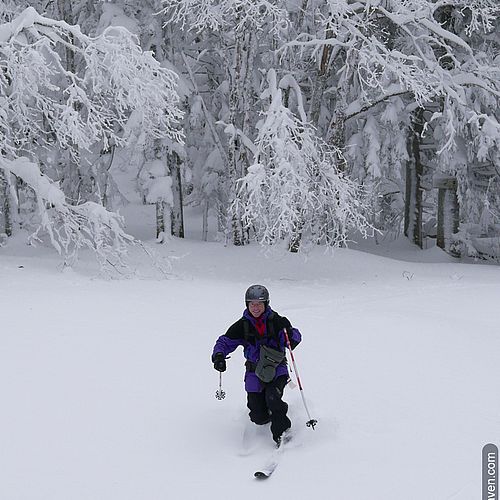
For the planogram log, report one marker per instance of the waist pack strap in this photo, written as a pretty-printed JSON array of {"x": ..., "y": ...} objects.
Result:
[{"x": 250, "y": 366}]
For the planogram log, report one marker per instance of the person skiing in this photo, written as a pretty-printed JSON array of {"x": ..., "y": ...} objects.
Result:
[{"x": 261, "y": 332}]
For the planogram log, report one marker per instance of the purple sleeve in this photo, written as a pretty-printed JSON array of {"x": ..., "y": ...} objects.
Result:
[
  {"x": 293, "y": 335},
  {"x": 296, "y": 337},
  {"x": 225, "y": 345}
]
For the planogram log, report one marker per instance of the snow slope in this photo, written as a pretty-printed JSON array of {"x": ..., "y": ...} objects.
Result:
[{"x": 108, "y": 390}]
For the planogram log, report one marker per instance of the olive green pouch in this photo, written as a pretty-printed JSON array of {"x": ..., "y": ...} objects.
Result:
[{"x": 269, "y": 360}]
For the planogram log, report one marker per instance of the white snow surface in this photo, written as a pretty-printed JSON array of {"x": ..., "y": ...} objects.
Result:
[{"x": 108, "y": 390}]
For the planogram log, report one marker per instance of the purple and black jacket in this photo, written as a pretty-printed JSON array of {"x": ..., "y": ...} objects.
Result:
[{"x": 247, "y": 336}]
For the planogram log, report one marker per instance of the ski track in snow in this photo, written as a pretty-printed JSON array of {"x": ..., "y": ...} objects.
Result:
[{"x": 108, "y": 390}]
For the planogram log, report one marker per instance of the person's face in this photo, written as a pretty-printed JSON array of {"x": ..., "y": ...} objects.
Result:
[{"x": 256, "y": 308}]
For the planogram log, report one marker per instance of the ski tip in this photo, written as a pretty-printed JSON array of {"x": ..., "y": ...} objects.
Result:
[{"x": 261, "y": 475}]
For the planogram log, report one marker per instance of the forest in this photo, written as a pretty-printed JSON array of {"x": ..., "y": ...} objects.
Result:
[{"x": 289, "y": 122}]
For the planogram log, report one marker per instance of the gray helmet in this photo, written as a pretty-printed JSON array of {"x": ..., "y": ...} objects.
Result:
[{"x": 257, "y": 292}]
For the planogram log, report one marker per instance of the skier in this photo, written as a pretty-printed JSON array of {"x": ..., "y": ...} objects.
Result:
[{"x": 261, "y": 332}]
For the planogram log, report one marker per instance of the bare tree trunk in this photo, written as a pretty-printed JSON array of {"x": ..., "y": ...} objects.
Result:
[
  {"x": 6, "y": 205},
  {"x": 65, "y": 8},
  {"x": 221, "y": 218},
  {"x": 176, "y": 211},
  {"x": 301, "y": 15},
  {"x": 296, "y": 237},
  {"x": 414, "y": 173},
  {"x": 336, "y": 131},
  {"x": 106, "y": 176},
  {"x": 448, "y": 214},
  {"x": 73, "y": 181},
  {"x": 320, "y": 82},
  {"x": 160, "y": 218},
  {"x": 204, "y": 233}
]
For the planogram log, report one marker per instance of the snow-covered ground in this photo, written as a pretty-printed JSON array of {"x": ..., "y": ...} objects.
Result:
[{"x": 107, "y": 389}]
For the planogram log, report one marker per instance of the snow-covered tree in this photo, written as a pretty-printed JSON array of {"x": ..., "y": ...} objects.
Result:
[
  {"x": 167, "y": 45},
  {"x": 377, "y": 154},
  {"x": 295, "y": 190},
  {"x": 403, "y": 92},
  {"x": 71, "y": 227},
  {"x": 243, "y": 30},
  {"x": 46, "y": 107},
  {"x": 432, "y": 55}
]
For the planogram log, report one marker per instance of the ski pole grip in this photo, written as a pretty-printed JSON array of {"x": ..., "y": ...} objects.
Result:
[{"x": 287, "y": 340}]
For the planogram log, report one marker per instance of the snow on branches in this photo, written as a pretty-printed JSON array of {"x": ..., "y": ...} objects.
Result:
[
  {"x": 410, "y": 46},
  {"x": 199, "y": 15},
  {"x": 295, "y": 189},
  {"x": 63, "y": 90},
  {"x": 72, "y": 227},
  {"x": 45, "y": 100}
]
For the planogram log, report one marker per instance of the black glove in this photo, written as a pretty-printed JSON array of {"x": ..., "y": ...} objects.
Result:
[
  {"x": 219, "y": 362},
  {"x": 285, "y": 323}
]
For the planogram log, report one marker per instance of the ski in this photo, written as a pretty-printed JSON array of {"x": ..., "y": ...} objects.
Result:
[
  {"x": 273, "y": 461},
  {"x": 266, "y": 471}
]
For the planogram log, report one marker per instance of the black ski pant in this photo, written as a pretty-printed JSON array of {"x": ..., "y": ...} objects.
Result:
[{"x": 267, "y": 406}]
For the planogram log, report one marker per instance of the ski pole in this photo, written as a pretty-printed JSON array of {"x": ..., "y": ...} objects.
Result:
[
  {"x": 311, "y": 422},
  {"x": 220, "y": 393}
]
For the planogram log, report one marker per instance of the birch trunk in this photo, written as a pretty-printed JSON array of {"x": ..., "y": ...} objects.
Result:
[{"x": 241, "y": 92}]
